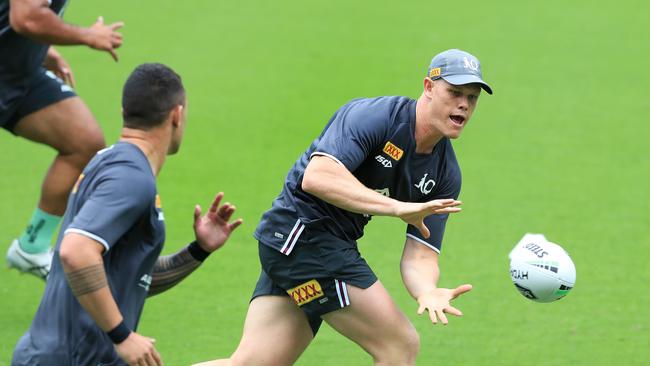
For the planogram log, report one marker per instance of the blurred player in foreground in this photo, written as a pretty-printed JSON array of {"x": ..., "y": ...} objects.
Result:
[
  {"x": 106, "y": 261},
  {"x": 389, "y": 156},
  {"x": 38, "y": 103}
]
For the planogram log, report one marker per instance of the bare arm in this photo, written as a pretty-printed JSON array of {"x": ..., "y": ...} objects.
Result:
[
  {"x": 83, "y": 265},
  {"x": 420, "y": 273},
  {"x": 34, "y": 19},
  {"x": 333, "y": 183}
]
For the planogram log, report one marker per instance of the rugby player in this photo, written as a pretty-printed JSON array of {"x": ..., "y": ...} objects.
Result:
[
  {"x": 389, "y": 156},
  {"x": 106, "y": 261},
  {"x": 37, "y": 104}
]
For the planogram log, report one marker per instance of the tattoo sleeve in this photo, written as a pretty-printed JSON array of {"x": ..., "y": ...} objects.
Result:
[
  {"x": 87, "y": 279},
  {"x": 171, "y": 269}
]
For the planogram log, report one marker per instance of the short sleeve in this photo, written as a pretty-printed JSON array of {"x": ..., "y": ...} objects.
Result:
[
  {"x": 119, "y": 198},
  {"x": 353, "y": 133},
  {"x": 436, "y": 225},
  {"x": 449, "y": 188}
]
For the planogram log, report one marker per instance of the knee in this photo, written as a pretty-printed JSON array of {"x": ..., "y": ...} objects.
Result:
[
  {"x": 85, "y": 144},
  {"x": 401, "y": 349},
  {"x": 91, "y": 142},
  {"x": 411, "y": 346}
]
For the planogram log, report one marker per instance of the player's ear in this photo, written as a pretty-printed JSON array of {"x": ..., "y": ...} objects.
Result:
[
  {"x": 428, "y": 87},
  {"x": 177, "y": 115}
]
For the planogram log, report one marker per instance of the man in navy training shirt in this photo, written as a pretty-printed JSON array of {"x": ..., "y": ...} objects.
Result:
[
  {"x": 106, "y": 261},
  {"x": 387, "y": 156},
  {"x": 38, "y": 103}
]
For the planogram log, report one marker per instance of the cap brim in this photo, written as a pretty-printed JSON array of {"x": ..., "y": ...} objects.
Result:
[{"x": 467, "y": 79}]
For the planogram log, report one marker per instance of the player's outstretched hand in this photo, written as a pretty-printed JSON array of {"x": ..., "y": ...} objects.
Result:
[
  {"x": 59, "y": 66},
  {"x": 414, "y": 213},
  {"x": 437, "y": 303},
  {"x": 138, "y": 350},
  {"x": 105, "y": 37},
  {"x": 212, "y": 230}
]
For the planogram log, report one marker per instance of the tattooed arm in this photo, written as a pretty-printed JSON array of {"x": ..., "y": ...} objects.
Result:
[
  {"x": 172, "y": 269},
  {"x": 81, "y": 258}
]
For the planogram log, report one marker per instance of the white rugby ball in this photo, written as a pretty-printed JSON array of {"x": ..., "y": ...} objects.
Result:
[{"x": 542, "y": 271}]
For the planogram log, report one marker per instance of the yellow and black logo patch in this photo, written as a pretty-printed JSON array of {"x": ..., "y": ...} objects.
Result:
[
  {"x": 305, "y": 293},
  {"x": 158, "y": 202},
  {"x": 393, "y": 151},
  {"x": 434, "y": 72}
]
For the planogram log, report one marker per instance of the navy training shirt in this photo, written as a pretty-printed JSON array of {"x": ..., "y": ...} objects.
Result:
[
  {"x": 374, "y": 138},
  {"x": 115, "y": 203},
  {"x": 21, "y": 57}
]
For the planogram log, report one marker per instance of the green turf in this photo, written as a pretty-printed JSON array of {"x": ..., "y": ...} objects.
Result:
[{"x": 560, "y": 148}]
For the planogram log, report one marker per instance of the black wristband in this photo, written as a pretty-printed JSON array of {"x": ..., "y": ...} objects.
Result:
[
  {"x": 197, "y": 252},
  {"x": 119, "y": 333}
]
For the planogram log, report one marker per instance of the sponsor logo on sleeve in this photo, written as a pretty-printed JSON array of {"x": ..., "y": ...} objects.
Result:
[
  {"x": 76, "y": 185},
  {"x": 307, "y": 292},
  {"x": 161, "y": 215},
  {"x": 393, "y": 151}
]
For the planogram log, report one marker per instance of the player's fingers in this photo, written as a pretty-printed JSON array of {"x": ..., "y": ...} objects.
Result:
[
  {"x": 235, "y": 224},
  {"x": 447, "y": 210},
  {"x": 100, "y": 20},
  {"x": 423, "y": 229},
  {"x": 216, "y": 202},
  {"x": 453, "y": 311},
  {"x": 113, "y": 54},
  {"x": 433, "y": 317},
  {"x": 442, "y": 316},
  {"x": 221, "y": 212},
  {"x": 446, "y": 202},
  {"x": 421, "y": 309},
  {"x": 149, "y": 360},
  {"x": 197, "y": 213},
  {"x": 70, "y": 77},
  {"x": 157, "y": 357},
  {"x": 228, "y": 214},
  {"x": 460, "y": 290},
  {"x": 116, "y": 25}
]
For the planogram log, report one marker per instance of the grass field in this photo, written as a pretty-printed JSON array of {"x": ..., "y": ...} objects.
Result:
[{"x": 560, "y": 148}]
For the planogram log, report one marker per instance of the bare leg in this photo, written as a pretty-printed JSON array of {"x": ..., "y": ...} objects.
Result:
[
  {"x": 276, "y": 332},
  {"x": 69, "y": 127},
  {"x": 373, "y": 321}
]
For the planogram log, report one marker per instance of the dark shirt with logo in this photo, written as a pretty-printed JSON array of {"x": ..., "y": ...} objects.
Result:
[
  {"x": 21, "y": 57},
  {"x": 115, "y": 203},
  {"x": 374, "y": 139}
]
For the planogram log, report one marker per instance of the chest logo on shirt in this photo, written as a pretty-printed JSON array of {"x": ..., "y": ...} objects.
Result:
[
  {"x": 308, "y": 291},
  {"x": 393, "y": 151},
  {"x": 425, "y": 185},
  {"x": 385, "y": 162}
]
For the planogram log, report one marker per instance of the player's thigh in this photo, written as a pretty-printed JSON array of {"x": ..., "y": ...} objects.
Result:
[
  {"x": 374, "y": 321},
  {"x": 276, "y": 332},
  {"x": 66, "y": 125}
]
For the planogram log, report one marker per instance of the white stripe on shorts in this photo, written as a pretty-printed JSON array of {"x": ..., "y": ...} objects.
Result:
[
  {"x": 342, "y": 293},
  {"x": 292, "y": 238}
]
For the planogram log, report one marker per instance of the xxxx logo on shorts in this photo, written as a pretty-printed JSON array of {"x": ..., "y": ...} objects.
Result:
[
  {"x": 393, "y": 151},
  {"x": 306, "y": 292}
]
